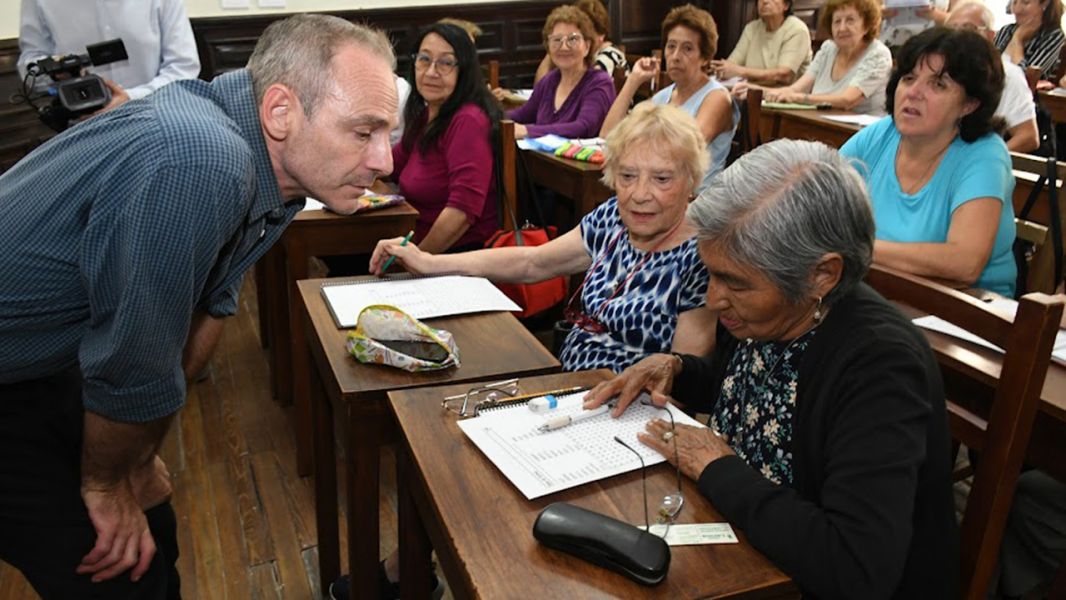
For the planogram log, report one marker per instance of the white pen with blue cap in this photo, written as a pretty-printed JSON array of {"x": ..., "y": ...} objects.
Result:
[{"x": 561, "y": 421}]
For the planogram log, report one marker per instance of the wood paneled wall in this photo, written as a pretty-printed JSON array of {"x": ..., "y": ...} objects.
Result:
[
  {"x": 512, "y": 35},
  {"x": 20, "y": 130}
]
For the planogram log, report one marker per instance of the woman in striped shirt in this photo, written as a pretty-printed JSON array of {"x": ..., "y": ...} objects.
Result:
[{"x": 1035, "y": 37}]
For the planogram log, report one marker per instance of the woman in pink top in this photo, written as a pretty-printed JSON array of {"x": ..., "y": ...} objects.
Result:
[{"x": 444, "y": 161}]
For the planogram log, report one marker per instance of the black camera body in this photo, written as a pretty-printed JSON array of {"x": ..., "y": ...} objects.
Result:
[{"x": 76, "y": 94}]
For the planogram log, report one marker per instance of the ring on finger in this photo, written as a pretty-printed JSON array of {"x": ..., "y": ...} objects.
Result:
[{"x": 667, "y": 436}]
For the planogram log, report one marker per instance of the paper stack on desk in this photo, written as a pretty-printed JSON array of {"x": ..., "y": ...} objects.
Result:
[
  {"x": 420, "y": 297},
  {"x": 539, "y": 463}
]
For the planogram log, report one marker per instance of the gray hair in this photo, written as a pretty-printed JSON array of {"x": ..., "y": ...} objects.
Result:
[
  {"x": 781, "y": 207},
  {"x": 986, "y": 13},
  {"x": 298, "y": 53}
]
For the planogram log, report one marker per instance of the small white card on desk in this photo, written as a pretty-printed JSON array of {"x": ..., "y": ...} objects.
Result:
[{"x": 695, "y": 534}]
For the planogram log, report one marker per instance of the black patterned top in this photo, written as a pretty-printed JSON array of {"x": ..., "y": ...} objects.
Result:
[{"x": 754, "y": 410}]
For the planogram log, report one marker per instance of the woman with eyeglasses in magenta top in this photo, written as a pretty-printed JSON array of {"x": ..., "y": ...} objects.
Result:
[{"x": 644, "y": 286}]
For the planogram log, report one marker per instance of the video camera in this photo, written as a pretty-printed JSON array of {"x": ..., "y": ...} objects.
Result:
[{"x": 74, "y": 94}]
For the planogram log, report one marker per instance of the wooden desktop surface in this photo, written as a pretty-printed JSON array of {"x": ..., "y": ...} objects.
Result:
[
  {"x": 1055, "y": 103},
  {"x": 492, "y": 346},
  {"x": 481, "y": 526},
  {"x": 575, "y": 179},
  {"x": 312, "y": 233}
]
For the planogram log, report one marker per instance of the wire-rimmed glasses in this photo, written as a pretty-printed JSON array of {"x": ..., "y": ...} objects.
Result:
[
  {"x": 480, "y": 397},
  {"x": 572, "y": 41},
  {"x": 671, "y": 504},
  {"x": 445, "y": 64}
]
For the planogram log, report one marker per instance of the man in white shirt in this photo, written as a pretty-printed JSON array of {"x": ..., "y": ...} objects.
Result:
[
  {"x": 156, "y": 33},
  {"x": 1016, "y": 104}
]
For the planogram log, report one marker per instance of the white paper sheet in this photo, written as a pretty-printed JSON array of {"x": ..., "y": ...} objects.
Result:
[
  {"x": 539, "y": 464},
  {"x": 860, "y": 120},
  {"x": 420, "y": 297},
  {"x": 1007, "y": 306}
]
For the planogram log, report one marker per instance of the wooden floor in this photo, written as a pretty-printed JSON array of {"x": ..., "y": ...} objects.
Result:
[{"x": 246, "y": 526}]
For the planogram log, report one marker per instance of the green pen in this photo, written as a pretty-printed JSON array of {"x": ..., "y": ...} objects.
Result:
[{"x": 388, "y": 263}]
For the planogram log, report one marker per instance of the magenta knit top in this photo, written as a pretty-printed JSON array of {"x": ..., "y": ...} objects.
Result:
[{"x": 456, "y": 172}]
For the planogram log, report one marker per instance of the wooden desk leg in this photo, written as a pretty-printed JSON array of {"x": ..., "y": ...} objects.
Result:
[
  {"x": 262, "y": 301},
  {"x": 326, "y": 522},
  {"x": 275, "y": 305},
  {"x": 295, "y": 380},
  {"x": 363, "y": 481},
  {"x": 414, "y": 542}
]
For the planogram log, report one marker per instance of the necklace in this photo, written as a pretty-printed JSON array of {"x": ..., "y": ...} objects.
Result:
[
  {"x": 739, "y": 433},
  {"x": 918, "y": 183}
]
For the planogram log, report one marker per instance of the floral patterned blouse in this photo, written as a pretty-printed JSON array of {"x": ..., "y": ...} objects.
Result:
[{"x": 754, "y": 410}]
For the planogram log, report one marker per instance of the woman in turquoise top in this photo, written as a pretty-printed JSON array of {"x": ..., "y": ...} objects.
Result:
[
  {"x": 690, "y": 40},
  {"x": 939, "y": 177}
]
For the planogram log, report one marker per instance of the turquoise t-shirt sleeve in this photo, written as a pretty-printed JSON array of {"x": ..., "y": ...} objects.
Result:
[{"x": 985, "y": 172}]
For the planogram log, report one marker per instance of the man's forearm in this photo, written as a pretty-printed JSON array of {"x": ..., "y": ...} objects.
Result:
[
  {"x": 203, "y": 337},
  {"x": 112, "y": 450}
]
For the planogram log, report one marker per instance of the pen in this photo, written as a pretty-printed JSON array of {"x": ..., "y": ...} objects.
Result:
[
  {"x": 564, "y": 420},
  {"x": 560, "y": 392},
  {"x": 392, "y": 258}
]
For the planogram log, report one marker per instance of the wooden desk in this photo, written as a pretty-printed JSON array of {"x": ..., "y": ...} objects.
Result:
[
  {"x": 1055, "y": 103},
  {"x": 493, "y": 346},
  {"x": 805, "y": 125},
  {"x": 312, "y": 233},
  {"x": 575, "y": 179},
  {"x": 1047, "y": 446},
  {"x": 481, "y": 525}
]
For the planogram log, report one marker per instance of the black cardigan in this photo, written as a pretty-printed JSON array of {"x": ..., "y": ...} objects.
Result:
[{"x": 870, "y": 512}]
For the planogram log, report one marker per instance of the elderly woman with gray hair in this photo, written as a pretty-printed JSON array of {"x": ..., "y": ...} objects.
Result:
[{"x": 828, "y": 441}]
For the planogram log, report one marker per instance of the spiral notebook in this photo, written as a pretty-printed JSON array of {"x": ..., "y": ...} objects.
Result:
[
  {"x": 539, "y": 463},
  {"x": 420, "y": 297}
]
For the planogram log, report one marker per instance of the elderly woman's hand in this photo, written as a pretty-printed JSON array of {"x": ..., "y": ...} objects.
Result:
[
  {"x": 644, "y": 70},
  {"x": 725, "y": 69},
  {"x": 414, "y": 260},
  {"x": 654, "y": 373},
  {"x": 697, "y": 447},
  {"x": 784, "y": 95}
]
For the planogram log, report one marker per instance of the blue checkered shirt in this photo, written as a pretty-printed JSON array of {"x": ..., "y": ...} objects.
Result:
[{"x": 116, "y": 231}]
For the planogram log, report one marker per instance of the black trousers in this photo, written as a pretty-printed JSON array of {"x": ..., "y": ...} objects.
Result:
[{"x": 44, "y": 526}]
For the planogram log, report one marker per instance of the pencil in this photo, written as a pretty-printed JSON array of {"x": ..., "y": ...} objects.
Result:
[{"x": 392, "y": 258}]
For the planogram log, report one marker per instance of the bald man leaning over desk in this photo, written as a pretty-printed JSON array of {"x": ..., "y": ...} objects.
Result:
[{"x": 122, "y": 247}]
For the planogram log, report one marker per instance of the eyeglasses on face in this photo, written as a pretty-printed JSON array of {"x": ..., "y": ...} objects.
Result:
[
  {"x": 571, "y": 41},
  {"x": 445, "y": 64}
]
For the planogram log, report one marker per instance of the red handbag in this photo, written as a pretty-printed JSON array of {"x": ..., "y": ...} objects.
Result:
[{"x": 534, "y": 298}]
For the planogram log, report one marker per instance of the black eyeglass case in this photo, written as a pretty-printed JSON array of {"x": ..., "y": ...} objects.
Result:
[{"x": 604, "y": 541}]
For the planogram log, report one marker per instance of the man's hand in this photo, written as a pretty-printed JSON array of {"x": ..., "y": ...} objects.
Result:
[
  {"x": 123, "y": 540},
  {"x": 654, "y": 373},
  {"x": 120, "y": 475}
]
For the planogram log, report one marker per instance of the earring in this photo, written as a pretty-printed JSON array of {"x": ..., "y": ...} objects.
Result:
[{"x": 818, "y": 314}]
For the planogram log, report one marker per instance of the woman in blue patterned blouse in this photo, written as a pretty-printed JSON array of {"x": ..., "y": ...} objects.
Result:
[
  {"x": 828, "y": 443},
  {"x": 644, "y": 280}
]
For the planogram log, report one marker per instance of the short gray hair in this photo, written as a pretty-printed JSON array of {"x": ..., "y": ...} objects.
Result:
[
  {"x": 987, "y": 17},
  {"x": 298, "y": 53},
  {"x": 781, "y": 207}
]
